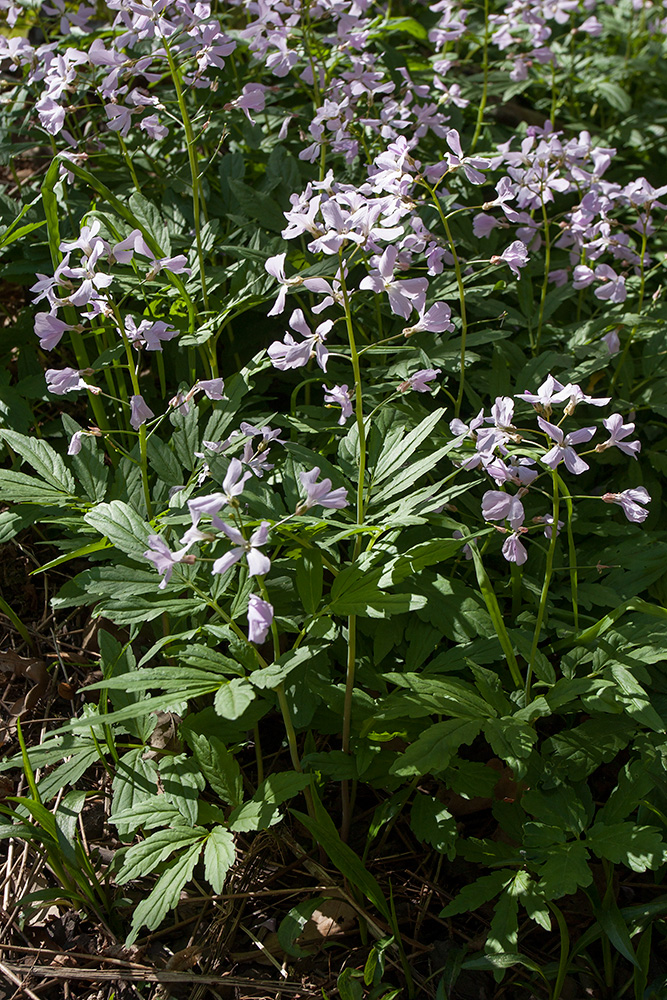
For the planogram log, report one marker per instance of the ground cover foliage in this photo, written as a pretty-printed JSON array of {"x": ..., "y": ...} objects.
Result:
[{"x": 333, "y": 419}]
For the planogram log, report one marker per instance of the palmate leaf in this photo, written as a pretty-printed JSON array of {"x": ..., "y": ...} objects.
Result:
[
  {"x": 143, "y": 858},
  {"x": 219, "y": 855},
  {"x": 46, "y": 462},
  {"x": 219, "y": 766},
  {"x": 434, "y": 749},
  {"x": 166, "y": 893},
  {"x": 431, "y": 822},
  {"x": 121, "y": 524},
  {"x": 182, "y": 781},
  {"x": 261, "y": 811},
  {"x": 565, "y": 870},
  {"x": 474, "y": 895},
  {"x": 637, "y": 847}
]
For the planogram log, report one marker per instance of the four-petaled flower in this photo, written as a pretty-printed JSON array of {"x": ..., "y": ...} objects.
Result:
[
  {"x": 320, "y": 493},
  {"x": 563, "y": 451},
  {"x": 258, "y": 563},
  {"x": 631, "y": 501},
  {"x": 618, "y": 431},
  {"x": 260, "y": 617}
]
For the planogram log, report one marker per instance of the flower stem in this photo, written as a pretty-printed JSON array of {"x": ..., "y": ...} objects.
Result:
[
  {"x": 485, "y": 83},
  {"x": 548, "y": 573},
  {"x": 462, "y": 299},
  {"x": 197, "y": 201}
]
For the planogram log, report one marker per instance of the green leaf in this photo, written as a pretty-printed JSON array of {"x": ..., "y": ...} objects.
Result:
[
  {"x": 614, "y": 95},
  {"x": 291, "y": 926},
  {"x": 165, "y": 895},
  {"x": 431, "y": 822},
  {"x": 219, "y": 855},
  {"x": 399, "y": 449},
  {"x": 349, "y": 988},
  {"x": 17, "y": 487},
  {"x": 182, "y": 782},
  {"x": 143, "y": 858},
  {"x": 444, "y": 695},
  {"x": 148, "y": 814},
  {"x": 219, "y": 767},
  {"x": 309, "y": 579},
  {"x": 509, "y": 738},
  {"x": 565, "y": 870},
  {"x": 151, "y": 218},
  {"x": 261, "y": 811},
  {"x": 134, "y": 782},
  {"x": 124, "y": 528},
  {"x": 343, "y": 857},
  {"x": 635, "y": 698},
  {"x": 232, "y": 699},
  {"x": 257, "y": 205},
  {"x": 46, "y": 462},
  {"x": 474, "y": 895},
  {"x": 88, "y": 466},
  {"x": 268, "y": 678},
  {"x": 637, "y": 847},
  {"x": 433, "y": 750}
]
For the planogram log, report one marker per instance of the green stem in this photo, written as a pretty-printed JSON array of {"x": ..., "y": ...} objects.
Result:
[
  {"x": 462, "y": 300},
  {"x": 485, "y": 83},
  {"x": 642, "y": 286},
  {"x": 496, "y": 615},
  {"x": 545, "y": 283},
  {"x": 143, "y": 453},
  {"x": 548, "y": 573},
  {"x": 564, "y": 960},
  {"x": 197, "y": 200}
]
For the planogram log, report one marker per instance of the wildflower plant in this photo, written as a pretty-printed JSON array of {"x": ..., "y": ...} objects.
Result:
[{"x": 337, "y": 385}]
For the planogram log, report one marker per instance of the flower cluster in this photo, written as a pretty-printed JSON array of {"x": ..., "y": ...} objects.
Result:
[{"x": 512, "y": 457}]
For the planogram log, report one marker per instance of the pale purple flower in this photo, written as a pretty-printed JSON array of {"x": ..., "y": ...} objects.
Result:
[
  {"x": 232, "y": 486},
  {"x": 613, "y": 287},
  {"x": 75, "y": 443},
  {"x": 435, "y": 320},
  {"x": 258, "y": 563},
  {"x": 548, "y": 521},
  {"x": 124, "y": 251},
  {"x": 214, "y": 388},
  {"x": 513, "y": 549},
  {"x": 498, "y": 506},
  {"x": 471, "y": 165},
  {"x": 64, "y": 380},
  {"x": 419, "y": 381},
  {"x": 320, "y": 493},
  {"x": 457, "y": 426},
  {"x": 292, "y": 354},
  {"x": 515, "y": 256},
  {"x": 252, "y": 98},
  {"x": 630, "y": 501},
  {"x": 577, "y": 395},
  {"x": 401, "y": 294},
  {"x": 618, "y": 430},
  {"x": 175, "y": 265},
  {"x": 275, "y": 266},
  {"x": 163, "y": 558},
  {"x": 340, "y": 395},
  {"x": 152, "y": 126},
  {"x": 140, "y": 412},
  {"x": 613, "y": 341},
  {"x": 50, "y": 330},
  {"x": 149, "y": 334},
  {"x": 260, "y": 617},
  {"x": 563, "y": 451},
  {"x": 551, "y": 391}
]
